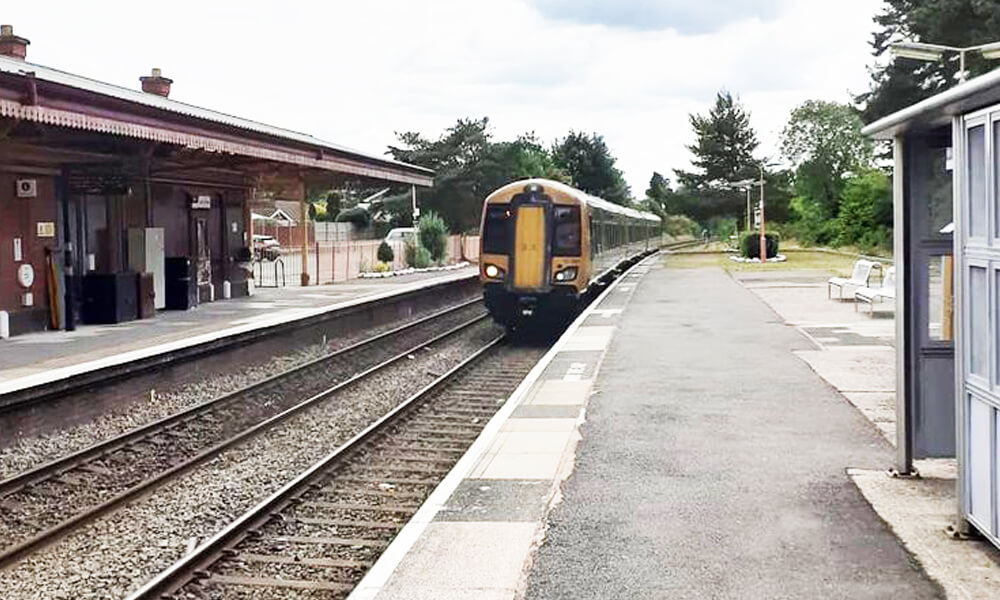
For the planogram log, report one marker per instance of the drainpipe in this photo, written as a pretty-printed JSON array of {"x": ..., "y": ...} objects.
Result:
[{"x": 68, "y": 275}]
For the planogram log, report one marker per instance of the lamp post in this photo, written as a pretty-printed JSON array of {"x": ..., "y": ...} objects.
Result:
[
  {"x": 763, "y": 239},
  {"x": 934, "y": 53}
]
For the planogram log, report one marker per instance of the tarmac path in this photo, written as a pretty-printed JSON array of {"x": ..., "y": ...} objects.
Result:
[{"x": 713, "y": 465}]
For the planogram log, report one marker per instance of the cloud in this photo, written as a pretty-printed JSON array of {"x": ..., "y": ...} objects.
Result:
[
  {"x": 683, "y": 16},
  {"x": 355, "y": 73}
]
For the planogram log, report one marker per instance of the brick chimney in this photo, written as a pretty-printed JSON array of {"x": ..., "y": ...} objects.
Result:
[
  {"x": 10, "y": 44},
  {"x": 156, "y": 83}
]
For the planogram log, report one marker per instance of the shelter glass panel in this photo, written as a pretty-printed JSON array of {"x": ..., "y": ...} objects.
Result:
[
  {"x": 980, "y": 429},
  {"x": 931, "y": 186},
  {"x": 978, "y": 220},
  {"x": 979, "y": 322},
  {"x": 996, "y": 181},
  {"x": 940, "y": 298}
]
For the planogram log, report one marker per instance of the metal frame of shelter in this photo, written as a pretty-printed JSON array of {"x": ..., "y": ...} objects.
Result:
[{"x": 937, "y": 362}]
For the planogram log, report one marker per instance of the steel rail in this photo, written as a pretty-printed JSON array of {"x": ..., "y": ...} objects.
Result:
[
  {"x": 191, "y": 566},
  {"x": 59, "y": 465},
  {"x": 48, "y": 535}
]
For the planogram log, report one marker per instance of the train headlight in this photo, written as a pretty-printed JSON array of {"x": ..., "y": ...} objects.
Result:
[
  {"x": 567, "y": 274},
  {"x": 493, "y": 271}
]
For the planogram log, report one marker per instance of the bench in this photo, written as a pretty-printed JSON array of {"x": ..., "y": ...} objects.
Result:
[
  {"x": 887, "y": 291},
  {"x": 859, "y": 277}
]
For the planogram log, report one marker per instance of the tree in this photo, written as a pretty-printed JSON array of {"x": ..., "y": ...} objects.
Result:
[
  {"x": 865, "y": 217},
  {"x": 590, "y": 166},
  {"x": 458, "y": 158},
  {"x": 433, "y": 235},
  {"x": 334, "y": 204},
  {"x": 660, "y": 197},
  {"x": 723, "y": 154},
  {"x": 823, "y": 142},
  {"x": 902, "y": 82}
]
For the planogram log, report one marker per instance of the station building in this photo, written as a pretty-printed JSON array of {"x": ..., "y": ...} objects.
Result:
[
  {"x": 116, "y": 202},
  {"x": 946, "y": 195}
]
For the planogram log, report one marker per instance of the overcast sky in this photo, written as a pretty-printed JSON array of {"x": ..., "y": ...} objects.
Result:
[{"x": 356, "y": 72}]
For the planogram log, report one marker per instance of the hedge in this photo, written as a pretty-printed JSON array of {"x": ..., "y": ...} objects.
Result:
[{"x": 750, "y": 245}]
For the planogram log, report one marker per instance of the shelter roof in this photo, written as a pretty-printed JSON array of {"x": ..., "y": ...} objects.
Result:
[
  {"x": 938, "y": 110},
  {"x": 42, "y": 94}
]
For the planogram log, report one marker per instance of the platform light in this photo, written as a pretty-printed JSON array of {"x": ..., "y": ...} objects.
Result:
[
  {"x": 991, "y": 51},
  {"x": 917, "y": 51},
  {"x": 935, "y": 52}
]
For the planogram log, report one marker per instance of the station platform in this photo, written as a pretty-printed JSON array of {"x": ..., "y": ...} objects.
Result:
[
  {"x": 40, "y": 358},
  {"x": 672, "y": 444}
]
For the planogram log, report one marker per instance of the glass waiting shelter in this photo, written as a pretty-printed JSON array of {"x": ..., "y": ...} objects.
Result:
[{"x": 946, "y": 196}]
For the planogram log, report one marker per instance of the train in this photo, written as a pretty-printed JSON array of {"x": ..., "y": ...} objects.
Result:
[{"x": 545, "y": 246}]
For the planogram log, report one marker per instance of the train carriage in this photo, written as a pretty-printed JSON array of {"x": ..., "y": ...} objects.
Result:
[{"x": 544, "y": 245}]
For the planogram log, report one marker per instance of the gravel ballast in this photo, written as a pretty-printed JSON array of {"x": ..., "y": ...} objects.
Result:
[
  {"x": 29, "y": 452},
  {"x": 119, "y": 552}
]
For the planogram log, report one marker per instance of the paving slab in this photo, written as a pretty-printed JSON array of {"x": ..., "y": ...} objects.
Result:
[
  {"x": 474, "y": 536},
  {"x": 856, "y": 357},
  {"x": 713, "y": 465},
  {"x": 36, "y": 358}
]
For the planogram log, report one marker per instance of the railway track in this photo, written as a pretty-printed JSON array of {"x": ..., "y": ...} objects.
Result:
[
  {"x": 41, "y": 504},
  {"x": 318, "y": 535}
]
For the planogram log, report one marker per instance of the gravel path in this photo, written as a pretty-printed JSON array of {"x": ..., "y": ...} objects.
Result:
[
  {"x": 119, "y": 552},
  {"x": 30, "y": 452}
]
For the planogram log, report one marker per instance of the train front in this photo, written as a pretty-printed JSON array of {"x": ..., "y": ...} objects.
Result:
[{"x": 533, "y": 262}]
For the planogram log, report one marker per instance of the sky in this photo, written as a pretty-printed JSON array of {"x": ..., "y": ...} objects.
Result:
[{"x": 354, "y": 73}]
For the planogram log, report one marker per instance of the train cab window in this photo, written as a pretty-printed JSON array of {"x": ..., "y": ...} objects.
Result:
[
  {"x": 566, "y": 231},
  {"x": 496, "y": 229}
]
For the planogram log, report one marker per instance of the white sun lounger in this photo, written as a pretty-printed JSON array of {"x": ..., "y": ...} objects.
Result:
[
  {"x": 887, "y": 291},
  {"x": 859, "y": 277}
]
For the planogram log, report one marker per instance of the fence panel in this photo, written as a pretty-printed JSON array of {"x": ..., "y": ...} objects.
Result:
[{"x": 338, "y": 261}]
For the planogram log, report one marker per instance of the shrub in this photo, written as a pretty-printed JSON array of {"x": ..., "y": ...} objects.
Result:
[
  {"x": 357, "y": 216},
  {"x": 433, "y": 235},
  {"x": 417, "y": 256},
  {"x": 382, "y": 267},
  {"x": 385, "y": 253},
  {"x": 680, "y": 226},
  {"x": 721, "y": 228},
  {"x": 750, "y": 245},
  {"x": 865, "y": 215},
  {"x": 810, "y": 224}
]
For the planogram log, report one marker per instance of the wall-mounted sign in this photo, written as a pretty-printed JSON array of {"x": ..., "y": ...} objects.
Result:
[
  {"x": 45, "y": 229},
  {"x": 18, "y": 256},
  {"x": 201, "y": 202},
  {"x": 27, "y": 188}
]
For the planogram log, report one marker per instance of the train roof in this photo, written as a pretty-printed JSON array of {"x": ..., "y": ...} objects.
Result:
[{"x": 582, "y": 197}]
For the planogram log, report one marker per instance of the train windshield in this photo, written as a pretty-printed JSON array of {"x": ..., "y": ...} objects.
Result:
[
  {"x": 496, "y": 229},
  {"x": 566, "y": 231}
]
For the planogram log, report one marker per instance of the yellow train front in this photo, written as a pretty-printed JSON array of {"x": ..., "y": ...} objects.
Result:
[{"x": 544, "y": 245}]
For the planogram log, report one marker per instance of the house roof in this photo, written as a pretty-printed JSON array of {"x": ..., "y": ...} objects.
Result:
[
  {"x": 322, "y": 154},
  {"x": 289, "y": 207},
  {"x": 938, "y": 110}
]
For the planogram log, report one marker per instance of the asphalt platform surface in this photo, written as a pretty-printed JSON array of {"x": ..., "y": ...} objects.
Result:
[{"x": 713, "y": 465}]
